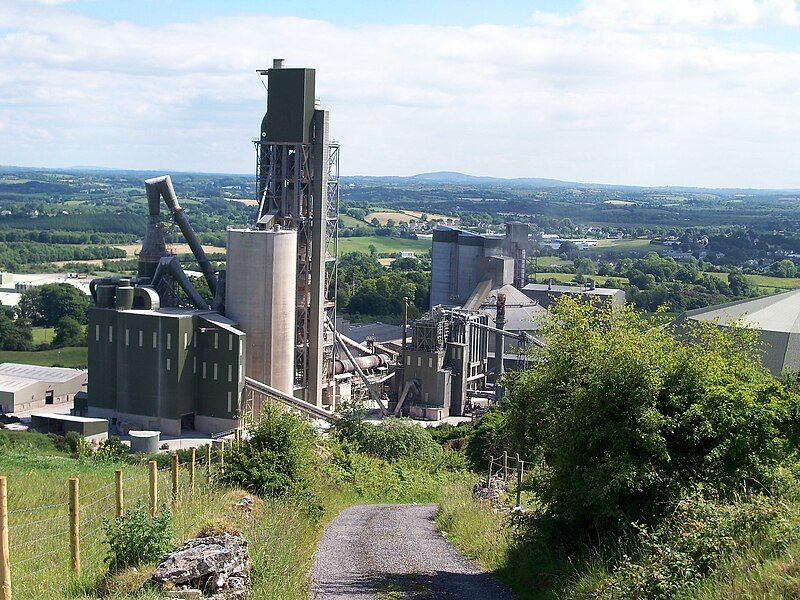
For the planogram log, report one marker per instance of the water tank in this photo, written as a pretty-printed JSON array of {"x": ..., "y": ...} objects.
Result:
[
  {"x": 145, "y": 442},
  {"x": 260, "y": 297},
  {"x": 105, "y": 295},
  {"x": 124, "y": 297}
]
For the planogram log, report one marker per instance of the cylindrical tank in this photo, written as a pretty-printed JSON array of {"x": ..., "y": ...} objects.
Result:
[
  {"x": 124, "y": 297},
  {"x": 105, "y": 295},
  {"x": 145, "y": 442},
  {"x": 260, "y": 297}
]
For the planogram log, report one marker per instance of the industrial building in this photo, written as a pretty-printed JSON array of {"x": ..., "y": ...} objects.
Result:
[
  {"x": 92, "y": 430},
  {"x": 28, "y": 387},
  {"x": 544, "y": 294},
  {"x": 776, "y": 318}
]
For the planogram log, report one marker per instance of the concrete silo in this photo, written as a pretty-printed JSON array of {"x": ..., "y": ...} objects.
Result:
[{"x": 260, "y": 296}]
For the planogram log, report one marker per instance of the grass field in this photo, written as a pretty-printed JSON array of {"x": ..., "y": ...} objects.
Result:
[
  {"x": 74, "y": 357},
  {"x": 767, "y": 283},
  {"x": 626, "y": 245},
  {"x": 383, "y": 244},
  {"x": 353, "y": 222},
  {"x": 43, "y": 335},
  {"x": 567, "y": 277}
]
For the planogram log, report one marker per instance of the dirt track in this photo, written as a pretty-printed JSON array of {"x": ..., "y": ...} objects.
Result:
[{"x": 394, "y": 551}]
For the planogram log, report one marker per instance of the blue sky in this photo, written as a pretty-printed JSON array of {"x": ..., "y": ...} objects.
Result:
[{"x": 652, "y": 92}]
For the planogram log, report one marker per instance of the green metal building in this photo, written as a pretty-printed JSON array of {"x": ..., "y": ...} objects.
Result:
[{"x": 167, "y": 369}]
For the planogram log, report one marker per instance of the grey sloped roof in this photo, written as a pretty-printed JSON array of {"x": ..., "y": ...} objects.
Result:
[
  {"x": 522, "y": 313},
  {"x": 776, "y": 317},
  {"x": 780, "y": 313}
]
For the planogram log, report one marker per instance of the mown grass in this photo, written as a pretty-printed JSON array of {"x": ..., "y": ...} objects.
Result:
[
  {"x": 382, "y": 244},
  {"x": 281, "y": 532},
  {"x": 43, "y": 335},
  {"x": 73, "y": 357}
]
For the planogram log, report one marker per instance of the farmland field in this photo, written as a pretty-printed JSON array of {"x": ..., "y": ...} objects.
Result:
[
  {"x": 74, "y": 357},
  {"x": 383, "y": 244}
]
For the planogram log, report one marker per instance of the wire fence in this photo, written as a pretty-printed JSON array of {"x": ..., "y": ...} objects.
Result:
[
  {"x": 46, "y": 544},
  {"x": 507, "y": 467}
]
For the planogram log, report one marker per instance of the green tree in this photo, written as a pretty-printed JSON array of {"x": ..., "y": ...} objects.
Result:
[
  {"x": 15, "y": 334},
  {"x": 45, "y": 305},
  {"x": 69, "y": 333},
  {"x": 784, "y": 268},
  {"x": 628, "y": 418},
  {"x": 738, "y": 283}
]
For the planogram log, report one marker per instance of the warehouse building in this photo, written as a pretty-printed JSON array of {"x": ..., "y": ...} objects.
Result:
[
  {"x": 92, "y": 430},
  {"x": 165, "y": 369},
  {"x": 544, "y": 294},
  {"x": 28, "y": 387},
  {"x": 776, "y": 317}
]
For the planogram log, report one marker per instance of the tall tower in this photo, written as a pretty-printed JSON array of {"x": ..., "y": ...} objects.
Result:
[{"x": 297, "y": 167}]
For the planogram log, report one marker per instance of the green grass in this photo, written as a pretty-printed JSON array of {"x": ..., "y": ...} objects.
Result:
[
  {"x": 74, "y": 357},
  {"x": 382, "y": 244},
  {"x": 626, "y": 245},
  {"x": 568, "y": 277},
  {"x": 282, "y": 537},
  {"x": 43, "y": 335},
  {"x": 353, "y": 222}
]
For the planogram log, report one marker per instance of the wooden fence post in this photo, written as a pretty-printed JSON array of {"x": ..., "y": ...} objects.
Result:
[
  {"x": 222, "y": 456},
  {"x": 174, "y": 480},
  {"x": 238, "y": 437},
  {"x": 208, "y": 465},
  {"x": 74, "y": 527},
  {"x": 192, "y": 459},
  {"x": 519, "y": 480},
  {"x": 120, "y": 506},
  {"x": 5, "y": 558},
  {"x": 489, "y": 476},
  {"x": 153, "y": 488},
  {"x": 505, "y": 465}
]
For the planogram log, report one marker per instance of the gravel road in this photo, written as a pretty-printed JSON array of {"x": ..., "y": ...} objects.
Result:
[{"x": 389, "y": 552}]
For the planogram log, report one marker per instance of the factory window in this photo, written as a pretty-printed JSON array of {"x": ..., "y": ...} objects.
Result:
[
  {"x": 419, "y": 361},
  {"x": 230, "y": 343},
  {"x": 97, "y": 333},
  {"x": 168, "y": 364},
  {"x": 141, "y": 338},
  {"x": 240, "y": 373},
  {"x": 194, "y": 341},
  {"x": 127, "y": 337},
  {"x": 430, "y": 363},
  {"x": 155, "y": 339},
  {"x": 241, "y": 346},
  {"x": 204, "y": 370},
  {"x": 408, "y": 360},
  {"x": 230, "y": 373},
  {"x": 169, "y": 341},
  {"x": 185, "y": 340},
  {"x": 230, "y": 399},
  {"x": 194, "y": 365},
  {"x": 110, "y": 333},
  {"x": 215, "y": 371},
  {"x": 216, "y": 340}
]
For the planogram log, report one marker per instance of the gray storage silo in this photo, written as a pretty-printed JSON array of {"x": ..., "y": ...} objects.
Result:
[{"x": 260, "y": 297}]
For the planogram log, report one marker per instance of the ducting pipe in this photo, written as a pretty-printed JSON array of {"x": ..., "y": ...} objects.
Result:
[
  {"x": 163, "y": 186},
  {"x": 172, "y": 266},
  {"x": 372, "y": 361}
]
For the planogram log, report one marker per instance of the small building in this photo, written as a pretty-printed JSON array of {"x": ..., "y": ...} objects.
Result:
[
  {"x": 93, "y": 430},
  {"x": 28, "y": 387},
  {"x": 546, "y": 293},
  {"x": 776, "y": 317}
]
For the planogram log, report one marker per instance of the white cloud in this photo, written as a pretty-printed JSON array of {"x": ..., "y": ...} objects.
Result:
[
  {"x": 601, "y": 103},
  {"x": 646, "y": 14}
]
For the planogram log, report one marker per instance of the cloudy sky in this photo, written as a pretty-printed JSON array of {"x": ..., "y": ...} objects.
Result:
[{"x": 652, "y": 92}]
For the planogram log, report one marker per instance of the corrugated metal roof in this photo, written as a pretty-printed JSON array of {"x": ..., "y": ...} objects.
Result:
[
  {"x": 14, "y": 371},
  {"x": 779, "y": 312}
]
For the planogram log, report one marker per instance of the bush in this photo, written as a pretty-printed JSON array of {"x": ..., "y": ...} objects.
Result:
[
  {"x": 490, "y": 436},
  {"x": 628, "y": 419},
  {"x": 135, "y": 539},
  {"x": 277, "y": 457},
  {"x": 111, "y": 450},
  {"x": 393, "y": 439},
  {"x": 699, "y": 534}
]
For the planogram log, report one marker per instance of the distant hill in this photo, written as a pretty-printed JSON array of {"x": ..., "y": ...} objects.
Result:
[{"x": 462, "y": 178}]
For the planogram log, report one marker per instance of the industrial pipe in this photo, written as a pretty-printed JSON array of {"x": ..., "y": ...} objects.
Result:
[
  {"x": 163, "y": 186},
  {"x": 171, "y": 265},
  {"x": 499, "y": 351},
  {"x": 372, "y": 361}
]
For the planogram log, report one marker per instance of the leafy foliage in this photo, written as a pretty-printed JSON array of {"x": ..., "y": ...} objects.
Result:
[
  {"x": 627, "y": 419},
  {"x": 69, "y": 333},
  {"x": 135, "y": 539},
  {"x": 46, "y": 305},
  {"x": 390, "y": 439},
  {"x": 111, "y": 450},
  {"x": 277, "y": 457}
]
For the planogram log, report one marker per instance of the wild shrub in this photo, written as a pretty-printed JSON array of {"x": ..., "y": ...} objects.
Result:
[
  {"x": 111, "y": 450},
  {"x": 628, "y": 419},
  {"x": 393, "y": 439},
  {"x": 490, "y": 436},
  {"x": 277, "y": 458},
  {"x": 135, "y": 539},
  {"x": 701, "y": 532}
]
